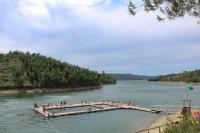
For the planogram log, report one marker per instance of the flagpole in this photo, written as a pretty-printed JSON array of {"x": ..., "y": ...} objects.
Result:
[{"x": 187, "y": 96}]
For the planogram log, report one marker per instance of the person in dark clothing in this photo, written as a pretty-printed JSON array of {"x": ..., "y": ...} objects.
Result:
[
  {"x": 35, "y": 105},
  {"x": 43, "y": 109}
]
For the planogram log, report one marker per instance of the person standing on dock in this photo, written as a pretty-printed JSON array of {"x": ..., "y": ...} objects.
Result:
[
  {"x": 35, "y": 105},
  {"x": 43, "y": 107}
]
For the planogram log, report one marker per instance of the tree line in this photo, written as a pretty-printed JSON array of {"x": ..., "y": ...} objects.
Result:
[
  {"x": 21, "y": 70},
  {"x": 186, "y": 76}
]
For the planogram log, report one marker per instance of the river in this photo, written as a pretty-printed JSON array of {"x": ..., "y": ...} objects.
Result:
[{"x": 17, "y": 116}]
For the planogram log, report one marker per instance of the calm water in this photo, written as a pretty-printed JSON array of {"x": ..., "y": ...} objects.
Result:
[{"x": 16, "y": 115}]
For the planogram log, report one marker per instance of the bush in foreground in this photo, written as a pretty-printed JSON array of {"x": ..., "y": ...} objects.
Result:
[{"x": 186, "y": 125}]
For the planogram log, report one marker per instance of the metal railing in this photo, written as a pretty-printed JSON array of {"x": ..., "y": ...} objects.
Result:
[{"x": 153, "y": 128}]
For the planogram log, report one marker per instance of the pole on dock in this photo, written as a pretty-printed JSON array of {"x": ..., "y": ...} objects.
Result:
[{"x": 186, "y": 110}]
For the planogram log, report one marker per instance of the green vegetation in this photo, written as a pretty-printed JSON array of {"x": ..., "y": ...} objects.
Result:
[
  {"x": 187, "y": 125},
  {"x": 168, "y": 9},
  {"x": 25, "y": 70},
  {"x": 130, "y": 77},
  {"x": 186, "y": 76}
]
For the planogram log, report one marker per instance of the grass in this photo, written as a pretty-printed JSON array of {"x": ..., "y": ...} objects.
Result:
[{"x": 186, "y": 125}]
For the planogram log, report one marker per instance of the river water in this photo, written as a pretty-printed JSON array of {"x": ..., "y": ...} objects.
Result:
[{"x": 17, "y": 116}]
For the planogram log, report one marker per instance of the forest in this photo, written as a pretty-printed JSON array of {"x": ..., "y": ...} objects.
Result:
[
  {"x": 26, "y": 70},
  {"x": 186, "y": 76},
  {"x": 130, "y": 76}
]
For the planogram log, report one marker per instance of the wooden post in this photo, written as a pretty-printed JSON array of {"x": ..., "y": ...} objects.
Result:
[
  {"x": 159, "y": 130},
  {"x": 186, "y": 110}
]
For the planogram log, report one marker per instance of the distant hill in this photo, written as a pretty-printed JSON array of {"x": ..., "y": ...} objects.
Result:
[
  {"x": 186, "y": 76},
  {"x": 25, "y": 70},
  {"x": 130, "y": 77}
]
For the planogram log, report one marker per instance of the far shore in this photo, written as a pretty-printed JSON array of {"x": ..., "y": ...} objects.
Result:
[
  {"x": 175, "y": 82},
  {"x": 46, "y": 90}
]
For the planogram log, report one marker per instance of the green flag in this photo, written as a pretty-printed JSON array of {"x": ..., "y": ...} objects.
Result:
[{"x": 190, "y": 88}]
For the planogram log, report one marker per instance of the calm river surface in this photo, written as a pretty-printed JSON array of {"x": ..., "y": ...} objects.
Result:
[{"x": 17, "y": 116}]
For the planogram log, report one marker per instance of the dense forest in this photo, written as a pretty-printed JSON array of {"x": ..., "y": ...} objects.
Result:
[
  {"x": 26, "y": 70},
  {"x": 186, "y": 76},
  {"x": 131, "y": 77}
]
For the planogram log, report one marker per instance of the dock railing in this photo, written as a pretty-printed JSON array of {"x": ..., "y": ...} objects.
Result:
[
  {"x": 45, "y": 109},
  {"x": 157, "y": 129}
]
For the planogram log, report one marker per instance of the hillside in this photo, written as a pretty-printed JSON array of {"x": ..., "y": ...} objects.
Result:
[
  {"x": 186, "y": 76},
  {"x": 130, "y": 77},
  {"x": 21, "y": 70}
]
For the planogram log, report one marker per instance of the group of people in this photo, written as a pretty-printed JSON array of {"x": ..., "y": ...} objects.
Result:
[
  {"x": 84, "y": 102},
  {"x": 100, "y": 107},
  {"x": 35, "y": 105},
  {"x": 113, "y": 102},
  {"x": 63, "y": 103},
  {"x": 117, "y": 102}
]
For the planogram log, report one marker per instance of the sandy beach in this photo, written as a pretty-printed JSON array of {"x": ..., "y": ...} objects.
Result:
[{"x": 161, "y": 121}]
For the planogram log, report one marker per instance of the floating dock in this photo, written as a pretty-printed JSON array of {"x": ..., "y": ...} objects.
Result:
[{"x": 46, "y": 110}]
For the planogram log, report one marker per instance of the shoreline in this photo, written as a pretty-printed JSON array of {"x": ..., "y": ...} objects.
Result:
[
  {"x": 160, "y": 121},
  {"x": 46, "y": 90},
  {"x": 195, "y": 83}
]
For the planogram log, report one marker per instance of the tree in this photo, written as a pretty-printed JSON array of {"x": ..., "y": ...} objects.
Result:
[
  {"x": 169, "y": 9},
  {"x": 22, "y": 70}
]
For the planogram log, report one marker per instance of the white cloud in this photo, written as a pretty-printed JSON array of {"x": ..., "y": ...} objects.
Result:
[
  {"x": 35, "y": 12},
  {"x": 82, "y": 32},
  {"x": 86, "y": 2},
  {"x": 35, "y": 9}
]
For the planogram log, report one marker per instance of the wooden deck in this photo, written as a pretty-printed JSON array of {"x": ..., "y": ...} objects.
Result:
[{"x": 45, "y": 110}]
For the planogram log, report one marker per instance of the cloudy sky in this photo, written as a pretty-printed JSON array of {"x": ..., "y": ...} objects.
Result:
[{"x": 100, "y": 35}]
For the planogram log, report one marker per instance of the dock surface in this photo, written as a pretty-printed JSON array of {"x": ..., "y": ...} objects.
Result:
[{"x": 46, "y": 110}]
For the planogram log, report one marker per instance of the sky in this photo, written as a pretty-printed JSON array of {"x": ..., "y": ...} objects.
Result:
[{"x": 100, "y": 35}]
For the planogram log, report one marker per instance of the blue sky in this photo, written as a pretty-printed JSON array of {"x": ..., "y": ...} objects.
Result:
[{"x": 100, "y": 35}]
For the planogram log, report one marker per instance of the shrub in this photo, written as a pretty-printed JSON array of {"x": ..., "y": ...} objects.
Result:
[{"x": 186, "y": 125}]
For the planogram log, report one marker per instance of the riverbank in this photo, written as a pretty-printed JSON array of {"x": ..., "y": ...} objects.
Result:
[
  {"x": 46, "y": 90},
  {"x": 161, "y": 121}
]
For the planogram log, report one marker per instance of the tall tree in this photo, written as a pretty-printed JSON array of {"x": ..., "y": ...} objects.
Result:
[{"x": 169, "y": 9}]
